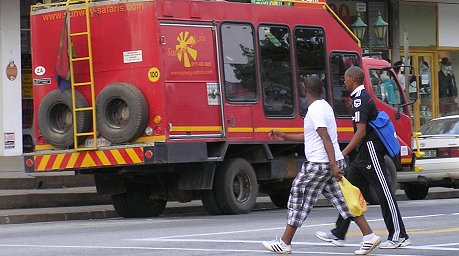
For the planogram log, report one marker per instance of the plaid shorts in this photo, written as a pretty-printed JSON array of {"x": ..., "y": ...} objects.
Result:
[{"x": 314, "y": 178}]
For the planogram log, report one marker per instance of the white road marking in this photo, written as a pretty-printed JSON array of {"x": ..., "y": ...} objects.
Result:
[
  {"x": 180, "y": 249},
  {"x": 238, "y": 231},
  {"x": 294, "y": 243},
  {"x": 187, "y": 238},
  {"x": 440, "y": 245},
  {"x": 281, "y": 228}
]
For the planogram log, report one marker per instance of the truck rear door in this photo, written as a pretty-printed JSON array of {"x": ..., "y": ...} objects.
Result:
[{"x": 193, "y": 102}]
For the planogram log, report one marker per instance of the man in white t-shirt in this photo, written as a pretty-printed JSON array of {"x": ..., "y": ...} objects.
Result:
[{"x": 319, "y": 174}]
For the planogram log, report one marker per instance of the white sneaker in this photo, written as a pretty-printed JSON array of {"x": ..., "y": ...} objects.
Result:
[
  {"x": 329, "y": 237},
  {"x": 389, "y": 244},
  {"x": 368, "y": 246},
  {"x": 278, "y": 246},
  {"x": 404, "y": 242}
]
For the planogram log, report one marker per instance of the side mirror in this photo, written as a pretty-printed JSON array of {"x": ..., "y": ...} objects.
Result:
[{"x": 397, "y": 115}]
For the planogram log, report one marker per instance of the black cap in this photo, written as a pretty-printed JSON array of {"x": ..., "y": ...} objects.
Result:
[{"x": 445, "y": 61}]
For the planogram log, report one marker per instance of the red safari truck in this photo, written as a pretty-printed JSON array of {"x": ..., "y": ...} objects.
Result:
[{"x": 173, "y": 100}]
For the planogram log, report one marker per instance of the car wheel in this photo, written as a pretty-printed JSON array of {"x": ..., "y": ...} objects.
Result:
[{"x": 416, "y": 191}]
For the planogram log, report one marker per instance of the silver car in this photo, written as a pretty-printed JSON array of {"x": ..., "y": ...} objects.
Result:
[{"x": 440, "y": 165}]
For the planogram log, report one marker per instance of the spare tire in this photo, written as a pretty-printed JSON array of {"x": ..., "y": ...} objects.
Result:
[
  {"x": 122, "y": 113},
  {"x": 55, "y": 118}
]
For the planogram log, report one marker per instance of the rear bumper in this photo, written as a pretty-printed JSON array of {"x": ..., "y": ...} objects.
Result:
[
  {"x": 121, "y": 156},
  {"x": 71, "y": 160},
  {"x": 432, "y": 170}
]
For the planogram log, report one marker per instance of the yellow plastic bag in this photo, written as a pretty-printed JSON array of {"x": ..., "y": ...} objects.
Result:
[{"x": 354, "y": 198}]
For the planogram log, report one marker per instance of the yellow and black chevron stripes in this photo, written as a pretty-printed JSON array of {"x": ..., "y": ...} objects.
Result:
[{"x": 86, "y": 159}]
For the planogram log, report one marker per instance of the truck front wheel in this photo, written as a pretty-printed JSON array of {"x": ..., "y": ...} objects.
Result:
[
  {"x": 235, "y": 186},
  {"x": 137, "y": 203}
]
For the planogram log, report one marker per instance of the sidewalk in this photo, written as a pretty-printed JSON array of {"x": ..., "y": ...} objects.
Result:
[{"x": 45, "y": 197}]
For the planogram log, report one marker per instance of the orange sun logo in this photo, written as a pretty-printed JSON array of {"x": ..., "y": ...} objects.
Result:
[{"x": 184, "y": 50}]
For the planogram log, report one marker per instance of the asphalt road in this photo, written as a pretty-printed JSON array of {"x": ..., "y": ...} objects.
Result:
[{"x": 432, "y": 224}]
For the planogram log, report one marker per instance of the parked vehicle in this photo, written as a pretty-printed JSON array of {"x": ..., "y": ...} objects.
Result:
[
  {"x": 440, "y": 165},
  {"x": 171, "y": 101}
]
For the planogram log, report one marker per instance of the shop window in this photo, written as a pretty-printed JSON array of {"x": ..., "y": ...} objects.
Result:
[
  {"x": 339, "y": 63},
  {"x": 447, "y": 86},
  {"x": 310, "y": 60},
  {"x": 276, "y": 70},
  {"x": 385, "y": 87},
  {"x": 239, "y": 62}
]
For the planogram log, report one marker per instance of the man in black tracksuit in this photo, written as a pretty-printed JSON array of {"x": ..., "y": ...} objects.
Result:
[{"x": 368, "y": 167}]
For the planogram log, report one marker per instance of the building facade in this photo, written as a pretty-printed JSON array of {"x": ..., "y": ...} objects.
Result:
[
  {"x": 428, "y": 25},
  {"x": 428, "y": 28}
]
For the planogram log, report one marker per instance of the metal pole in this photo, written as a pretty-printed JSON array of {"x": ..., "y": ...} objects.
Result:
[
  {"x": 406, "y": 49},
  {"x": 394, "y": 24}
]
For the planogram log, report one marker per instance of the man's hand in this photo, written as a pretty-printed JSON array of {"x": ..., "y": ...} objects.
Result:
[
  {"x": 337, "y": 173},
  {"x": 275, "y": 134}
]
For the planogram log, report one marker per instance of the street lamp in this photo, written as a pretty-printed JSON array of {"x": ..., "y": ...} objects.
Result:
[
  {"x": 380, "y": 28},
  {"x": 359, "y": 27}
]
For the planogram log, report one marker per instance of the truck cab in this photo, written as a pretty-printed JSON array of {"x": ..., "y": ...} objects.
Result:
[{"x": 385, "y": 88}]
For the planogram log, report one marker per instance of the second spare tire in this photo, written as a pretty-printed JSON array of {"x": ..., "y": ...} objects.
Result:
[
  {"x": 55, "y": 118},
  {"x": 122, "y": 113}
]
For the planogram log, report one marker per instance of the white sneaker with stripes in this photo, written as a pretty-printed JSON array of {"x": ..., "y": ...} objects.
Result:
[
  {"x": 368, "y": 246},
  {"x": 389, "y": 244},
  {"x": 278, "y": 246}
]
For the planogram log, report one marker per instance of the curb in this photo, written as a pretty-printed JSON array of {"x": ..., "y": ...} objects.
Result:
[{"x": 43, "y": 198}]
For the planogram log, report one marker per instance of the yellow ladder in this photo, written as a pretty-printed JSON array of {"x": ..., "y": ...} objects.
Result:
[{"x": 80, "y": 5}]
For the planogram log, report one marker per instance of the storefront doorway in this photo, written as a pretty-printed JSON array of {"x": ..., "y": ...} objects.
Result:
[{"x": 423, "y": 84}]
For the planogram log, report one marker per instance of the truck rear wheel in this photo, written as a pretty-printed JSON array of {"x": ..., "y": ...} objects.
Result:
[
  {"x": 136, "y": 203},
  {"x": 280, "y": 199},
  {"x": 55, "y": 118},
  {"x": 235, "y": 186},
  {"x": 122, "y": 113},
  {"x": 209, "y": 201}
]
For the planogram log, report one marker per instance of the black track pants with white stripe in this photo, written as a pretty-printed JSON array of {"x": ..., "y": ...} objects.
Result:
[{"x": 369, "y": 168}]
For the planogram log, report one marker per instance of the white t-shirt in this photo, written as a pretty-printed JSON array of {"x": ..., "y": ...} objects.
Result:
[{"x": 320, "y": 114}]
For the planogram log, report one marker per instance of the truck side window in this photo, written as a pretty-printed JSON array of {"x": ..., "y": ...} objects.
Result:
[
  {"x": 276, "y": 70},
  {"x": 310, "y": 60},
  {"x": 385, "y": 87},
  {"x": 339, "y": 63},
  {"x": 239, "y": 62}
]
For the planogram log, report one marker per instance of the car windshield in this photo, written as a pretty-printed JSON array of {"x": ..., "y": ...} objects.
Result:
[{"x": 441, "y": 126}]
